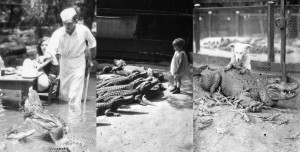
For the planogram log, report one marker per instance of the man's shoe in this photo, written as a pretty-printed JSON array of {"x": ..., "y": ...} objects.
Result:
[
  {"x": 177, "y": 91},
  {"x": 173, "y": 89}
]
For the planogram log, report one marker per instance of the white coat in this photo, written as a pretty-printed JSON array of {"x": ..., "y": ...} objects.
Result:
[{"x": 72, "y": 61}]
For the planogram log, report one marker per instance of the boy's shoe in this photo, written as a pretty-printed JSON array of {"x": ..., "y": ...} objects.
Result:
[
  {"x": 173, "y": 89},
  {"x": 177, "y": 91}
]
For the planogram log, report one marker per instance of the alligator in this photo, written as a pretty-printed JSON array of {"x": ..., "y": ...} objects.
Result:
[
  {"x": 55, "y": 127},
  {"x": 132, "y": 85},
  {"x": 121, "y": 68},
  {"x": 58, "y": 130},
  {"x": 109, "y": 107},
  {"x": 121, "y": 80},
  {"x": 22, "y": 131},
  {"x": 251, "y": 93},
  {"x": 16, "y": 133},
  {"x": 143, "y": 89},
  {"x": 35, "y": 119}
]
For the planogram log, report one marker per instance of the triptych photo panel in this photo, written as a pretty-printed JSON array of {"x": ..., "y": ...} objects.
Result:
[{"x": 149, "y": 75}]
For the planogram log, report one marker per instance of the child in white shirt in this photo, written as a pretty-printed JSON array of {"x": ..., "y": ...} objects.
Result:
[{"x": 179, "y": 64}]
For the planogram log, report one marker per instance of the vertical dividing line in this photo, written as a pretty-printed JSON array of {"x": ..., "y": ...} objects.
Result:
[{"x": 196, "y": 31}]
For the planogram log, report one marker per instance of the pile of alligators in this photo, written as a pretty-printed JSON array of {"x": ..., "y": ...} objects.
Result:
[{"x": 124, "y": 84}]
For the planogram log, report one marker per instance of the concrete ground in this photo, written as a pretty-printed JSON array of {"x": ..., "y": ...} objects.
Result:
[{"x": 167, "y": 126}]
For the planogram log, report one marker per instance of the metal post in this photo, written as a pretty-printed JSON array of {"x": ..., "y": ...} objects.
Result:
[
  {"x": 237, "y": 25},
  {"x": 209, "y": 23},
  {"x": 283, "y": 40},
  {"x": 282, "y": 25},
  {"x": 271, "y": 32}
]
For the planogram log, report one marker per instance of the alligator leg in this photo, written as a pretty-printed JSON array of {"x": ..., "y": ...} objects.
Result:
[
  {"x": 244, "y": 70},
  {"x": 247, "y": 102},
  {"x": 217, "y": 96},
  {"x": 110, "y": 113},
  {"x": 3, "y": 146},
  {"x": 142, "y": 101},
  {"x": 233, "y": 65},
  {"x": 216, "y": 84},
  {"x": 21, "y": 135},
  {"x": 100, "y": 111}
]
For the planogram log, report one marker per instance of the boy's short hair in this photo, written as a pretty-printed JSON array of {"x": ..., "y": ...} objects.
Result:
[{"x": 179, "y": 42}]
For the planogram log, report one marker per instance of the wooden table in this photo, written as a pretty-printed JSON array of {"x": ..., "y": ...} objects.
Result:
[{"x": 16, "y": 82}]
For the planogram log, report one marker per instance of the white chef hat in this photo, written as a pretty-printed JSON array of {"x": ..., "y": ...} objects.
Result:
[{"x": 67, "y": 14}]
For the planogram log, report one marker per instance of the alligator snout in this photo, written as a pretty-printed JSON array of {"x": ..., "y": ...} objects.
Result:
[
  {"x": 283, "y": 91},
  {"x": 284, "y": 86}
]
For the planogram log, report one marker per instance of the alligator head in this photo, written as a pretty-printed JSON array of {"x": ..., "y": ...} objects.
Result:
[
  {"x": 276, "y": 90},
  {"x": 53, "y": 124},
  {"x": 137, "y": 74},
  {"x": 147, "y": 85},
  {"x": 119, "y": 63},
  {"x": 137, "y": 82}
]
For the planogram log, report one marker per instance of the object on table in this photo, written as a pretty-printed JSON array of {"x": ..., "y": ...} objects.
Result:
[
  {"x": 9, "y": 71},
  {"x": 29, "y": 69},
  {"x": 19, "y": 70}
]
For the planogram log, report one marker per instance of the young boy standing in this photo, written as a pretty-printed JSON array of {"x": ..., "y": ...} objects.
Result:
[{"x": 179, "y": 64}]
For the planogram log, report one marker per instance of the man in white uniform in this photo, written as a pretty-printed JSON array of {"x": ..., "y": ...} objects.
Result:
[{"x": 69, "y": 42}]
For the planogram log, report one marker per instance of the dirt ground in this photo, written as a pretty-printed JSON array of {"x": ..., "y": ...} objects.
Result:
[
  {"x": 220, "y": 128},
  {"x": 167, "y": 126}
]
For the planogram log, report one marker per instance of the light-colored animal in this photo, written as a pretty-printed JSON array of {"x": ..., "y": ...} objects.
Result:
[{"x": 240, "y": 56}]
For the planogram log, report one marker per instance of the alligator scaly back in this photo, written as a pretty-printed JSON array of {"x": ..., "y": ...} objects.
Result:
[
  {"x": 131, "y": 85},
  {"x": 33, "y": 103},
  {"x": 117, "y": 93},
  {"x": 121, "y": 80}
]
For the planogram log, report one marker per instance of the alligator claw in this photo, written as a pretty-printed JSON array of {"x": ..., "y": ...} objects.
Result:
[{"x": 110, "y": 113}]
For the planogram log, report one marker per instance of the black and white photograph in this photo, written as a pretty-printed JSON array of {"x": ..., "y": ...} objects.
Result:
[
  {"x": 144, "y": 75},
  {"x": 246, "y": 75},
  {"x": 47, "y": 79},
  {"x": 149, "y": 75}
]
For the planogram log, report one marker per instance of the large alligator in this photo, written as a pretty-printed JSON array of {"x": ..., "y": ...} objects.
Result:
[
  {"x": 121, "y": 68},
  {"x": 54, "y": 127},
  {"x": 110, "y": 107},
  {"x": 141, "y": 90},
  {"x": 252, "y": 93},
  {"x": 57, "y": 128},
  {"x": 132, "y": 85},
  {"x": 121, "y": 80}
]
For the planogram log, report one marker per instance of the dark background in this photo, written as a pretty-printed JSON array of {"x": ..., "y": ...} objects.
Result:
[{"x": 159, "y": 23}]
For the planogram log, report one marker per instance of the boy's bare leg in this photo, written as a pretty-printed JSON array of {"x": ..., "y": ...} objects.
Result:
[
  {"x": 174, "y": 84},
  {"x": 178, "y": 85},
  {"x": 179, "y": 82}
]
